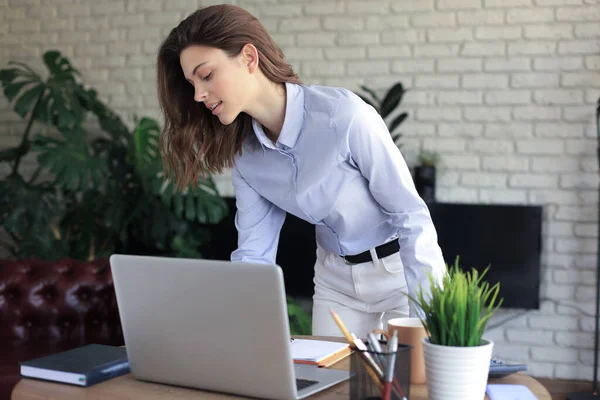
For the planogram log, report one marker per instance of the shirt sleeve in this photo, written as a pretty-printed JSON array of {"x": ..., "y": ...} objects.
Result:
[
  {"x": 372, "y": 150},
  {"x": 258, "y": 222}
]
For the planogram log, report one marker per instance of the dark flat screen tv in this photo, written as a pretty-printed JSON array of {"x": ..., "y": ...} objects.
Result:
[{"x": 506, "y": 237}]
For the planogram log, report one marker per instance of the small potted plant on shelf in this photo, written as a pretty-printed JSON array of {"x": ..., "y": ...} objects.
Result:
[
  {"x": 425, "y": 173},
  {"x": 455, "y": 313}
]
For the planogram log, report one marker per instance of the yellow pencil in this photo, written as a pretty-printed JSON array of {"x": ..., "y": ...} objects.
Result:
[{"x": 342, "y": 327}]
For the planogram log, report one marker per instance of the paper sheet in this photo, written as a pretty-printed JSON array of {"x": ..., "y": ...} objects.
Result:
[
  {"x": 315, "y": 350},
  {"x": 509, "y": 392}
]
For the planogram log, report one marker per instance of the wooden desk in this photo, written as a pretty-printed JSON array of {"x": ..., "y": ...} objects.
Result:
[{"x": 127, "y": 387}]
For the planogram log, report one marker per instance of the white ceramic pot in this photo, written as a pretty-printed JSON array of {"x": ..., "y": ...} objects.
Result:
[{"x": 457, "y": 373}]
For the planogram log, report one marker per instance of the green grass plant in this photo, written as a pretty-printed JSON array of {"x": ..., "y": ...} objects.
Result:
[{"x": 457, "y": 310}]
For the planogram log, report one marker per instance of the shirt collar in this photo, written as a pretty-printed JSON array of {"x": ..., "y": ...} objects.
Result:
[{"x": 292, "y": 123}]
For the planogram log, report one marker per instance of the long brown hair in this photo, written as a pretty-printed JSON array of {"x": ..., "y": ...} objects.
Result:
[{"x": 193, "y": 141}]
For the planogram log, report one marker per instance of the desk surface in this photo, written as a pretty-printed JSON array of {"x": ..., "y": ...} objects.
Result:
[{"x": 127, "y": 387}]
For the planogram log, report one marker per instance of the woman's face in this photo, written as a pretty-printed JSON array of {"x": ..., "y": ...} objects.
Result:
[{"x": 220, "y": 82}]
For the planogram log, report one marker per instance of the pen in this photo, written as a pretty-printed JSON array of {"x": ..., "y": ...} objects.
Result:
[
  {"x": 389, "y": 374},
  {"x": 389, "y": 370},
  {"x": 376, "y": 347}
]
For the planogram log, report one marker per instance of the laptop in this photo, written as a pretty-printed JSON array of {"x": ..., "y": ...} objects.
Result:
[{"x": 212, "y": 325}]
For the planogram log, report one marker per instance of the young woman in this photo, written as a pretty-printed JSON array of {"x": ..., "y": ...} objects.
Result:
[{"x": 230, "y": 100}]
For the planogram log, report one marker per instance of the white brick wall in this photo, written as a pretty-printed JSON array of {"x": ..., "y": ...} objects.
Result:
[{"x": 503, "y": 89}]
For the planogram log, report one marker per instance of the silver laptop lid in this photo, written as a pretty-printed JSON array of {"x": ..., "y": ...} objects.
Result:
[{"x": 207, "y": 324}]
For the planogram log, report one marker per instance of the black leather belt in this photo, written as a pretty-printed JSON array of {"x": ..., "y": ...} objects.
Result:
[{"x": 382, "y": 251}]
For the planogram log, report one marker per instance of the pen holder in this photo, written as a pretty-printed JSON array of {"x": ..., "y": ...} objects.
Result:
[{"x": 367, "y": 384}]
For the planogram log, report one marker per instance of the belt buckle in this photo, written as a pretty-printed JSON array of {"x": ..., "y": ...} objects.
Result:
[{"x": 346, "y": 261}]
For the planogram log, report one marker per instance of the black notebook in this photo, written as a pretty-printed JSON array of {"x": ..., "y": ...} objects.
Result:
[{"x": 83, "y": 366}]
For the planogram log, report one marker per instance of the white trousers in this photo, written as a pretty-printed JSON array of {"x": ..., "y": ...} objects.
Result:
[{"x": 365, "y": 295}]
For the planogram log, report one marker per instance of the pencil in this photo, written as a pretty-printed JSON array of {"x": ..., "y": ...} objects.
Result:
[{"x": 342, "y": 327}]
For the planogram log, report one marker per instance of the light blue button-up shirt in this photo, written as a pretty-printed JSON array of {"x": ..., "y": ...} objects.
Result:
[{"x": 334, "y": 165}]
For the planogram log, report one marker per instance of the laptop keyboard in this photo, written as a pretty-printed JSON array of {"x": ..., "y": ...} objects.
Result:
[{"x": 304, "y": 383}]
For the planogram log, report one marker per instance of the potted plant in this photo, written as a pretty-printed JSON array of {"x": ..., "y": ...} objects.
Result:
[
  {"x": 425, "y": 173},
  {"x": 386, "y": 106},
  {"x": 455, "y": 313},
  {"x": 94, "y": 191}
]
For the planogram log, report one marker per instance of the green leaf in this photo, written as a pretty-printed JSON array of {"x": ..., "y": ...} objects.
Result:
[
  {"x": 70, "y": 161},
  {"x": 11, "y": 90},
  {"x": 43, "y": 112},
  {"x": 397, "y": 121},
  {"x": 392, "y": 99},
  {"x": 87, "y": 97},
  {"x": 145, "y": 140},
  {"x": 24, "y": 67},
  {"x": 24, "y": 104},
  {"x": 59, "y": 66},
  {"x": 50, "y": 59},
  {"x": 7, "y": 75},
  {"x": 210, "y": 208},
  {"x": 62, "y": 117}
]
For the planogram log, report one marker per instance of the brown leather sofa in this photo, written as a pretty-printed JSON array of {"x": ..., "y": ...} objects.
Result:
[{"x": 47, "y": 307}]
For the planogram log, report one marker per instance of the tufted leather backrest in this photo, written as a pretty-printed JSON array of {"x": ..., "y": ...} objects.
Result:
[{"x": 68, "y": 303}]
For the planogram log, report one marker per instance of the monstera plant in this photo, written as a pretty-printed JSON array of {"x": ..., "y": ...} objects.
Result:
[{"x": 94, "y": 191}]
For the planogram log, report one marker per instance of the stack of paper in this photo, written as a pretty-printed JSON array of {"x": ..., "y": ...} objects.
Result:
[{"x": 319, "y": 352}]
